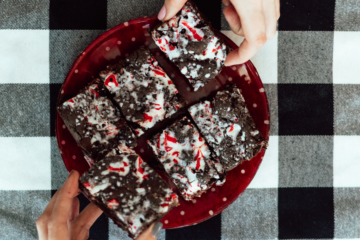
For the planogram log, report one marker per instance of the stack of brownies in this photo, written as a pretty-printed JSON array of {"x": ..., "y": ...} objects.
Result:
[{"x": 108, "y": 116}]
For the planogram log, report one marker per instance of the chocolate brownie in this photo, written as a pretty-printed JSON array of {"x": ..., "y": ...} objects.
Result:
[
  {"x": 142, "y": 89},
  {"x": 227, "y": 126},
  {"x": 128, "y": 190},
  {"x": 94, "y": 122},
  {"x": 186, "y": 158},
  {"x": 191, "y": 43}
]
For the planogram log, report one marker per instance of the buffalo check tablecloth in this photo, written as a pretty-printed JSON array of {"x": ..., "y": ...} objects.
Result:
[{"x": 308, "y": 186}]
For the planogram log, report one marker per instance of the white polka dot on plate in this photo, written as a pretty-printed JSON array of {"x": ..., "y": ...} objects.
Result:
[
  {"x": 63, "y": 126},
  {"x": 76, "y": 71},
  {"x": 230, "y": 79},
  {"x": 194, "y": 200},
  {"x": 146, "y": 43},
  {"x": 107, "y": 49},
  {"x": 60, "y": 151},
  {"x": 166, "y": 221},
  {"x": 63, "y": 142},
  {"x": 242, "y": 171},
  {"x": 126, "y": 23},
  {"x": 182, "y": 213},
  {"x": 255, "y": 105},
  {"x": 211, "y": 212},
  {"x": 266, "y": 122},
  {"x": 233, "y": 68},
  {"x": 147, "y": 34},
  {"x": 62, "y": 91},
  {"x": 224, "y": 199},
  {"x": 133, "y": 39},
  {"x": 74, "y": 157},
  {"x": 213, "y": 189},
  {"x": 119, "y": 42},
  {"x": 261, "y": 90}
]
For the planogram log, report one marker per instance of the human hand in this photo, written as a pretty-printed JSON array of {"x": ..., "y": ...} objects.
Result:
[
  {"x": 253, "y": 19},
  {"x": 61, "y": 219}
]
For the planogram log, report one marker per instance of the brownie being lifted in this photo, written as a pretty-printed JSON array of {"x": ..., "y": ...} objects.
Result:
[
  {"x": 142, "y": 89},
  {"x": 190, "y": 42},
  {"x": 228, "y": 127},
  {"x": 128, "y": 191},
  {"x": 94, "y": 122},
  {"x": 186, "y": 158}
]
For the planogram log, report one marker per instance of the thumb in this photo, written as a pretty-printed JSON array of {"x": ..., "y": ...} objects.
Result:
[
  {"x": 152, "y": 232},
  {"x": 170, "y": 8}
]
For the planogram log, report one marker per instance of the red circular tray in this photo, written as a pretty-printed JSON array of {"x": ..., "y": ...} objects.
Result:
[{"x": 117, "y": 43}]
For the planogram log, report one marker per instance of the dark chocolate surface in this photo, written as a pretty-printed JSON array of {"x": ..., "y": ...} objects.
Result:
[
  {"x": 228, "y": 127},
  {"x": 142, "y": 89},
  {"x": 95, "y": 122},
  {"x": 186, "y": 158},
  {"x": 189, "y": 39},
  {"x": 128, "y": 190}
]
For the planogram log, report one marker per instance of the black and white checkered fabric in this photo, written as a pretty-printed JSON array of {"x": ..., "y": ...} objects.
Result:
[{"x": 308, "y": 186}]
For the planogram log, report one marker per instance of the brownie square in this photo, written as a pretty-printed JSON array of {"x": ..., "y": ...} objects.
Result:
[
  {"x": 190, "y": 42},
  {"x": 128, "y": 190},
  {"x": 94, "y": 122},
  {"x": 144, "y": 92},
  {"x": 228, "y": 127},
  {"x": 186, "y": 158}
]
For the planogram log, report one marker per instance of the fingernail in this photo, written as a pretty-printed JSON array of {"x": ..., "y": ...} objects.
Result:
[
  {"x": 162, "y": 13},
  {"x": 71, "y": 172},
  {"x": 156, "y": 230}
]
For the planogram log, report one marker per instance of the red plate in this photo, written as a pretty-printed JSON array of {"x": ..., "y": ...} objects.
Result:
[{"x": 117, "y": 43}]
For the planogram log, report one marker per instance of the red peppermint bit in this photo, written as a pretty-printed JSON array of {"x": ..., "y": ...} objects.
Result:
[
  {"x": 168, "y": 149},
  {"x": 145, "y": 176},
  {"x": 157, "y": 104},
  {"x": 159, "y": 72},
  {"x": 125, "y": 164},
  {"x": 163, "y": 49},
  {"x": 113, "y": 203},
  {"x": 177, "y": 107},
  {"x": 96, "y": 107},
  {"x": 175, "y": 153},
  {"x": 159, "y": 41},
  {"x": 87, "y": 185},
  {"x": 173, "y": 196},
  {"x": 140, "y": 169},
  {"x": 166, "y": 41},
  {"x": 200, "y": 139},
  {"x": 204, "y": 53},
  {"x": 171, "y": 47},
  {"x": 164, "y": 205},
  {"x": 171, "y": 139},
  {"x": 231, "y": 128},
  {"x": 94, "y": 92},
  {"x": 170, "y": 82},
  {"x": 147, "y": 118},
  {"x": 159, "y": 108},
  {"x": 111, "y": 79},
  {"x": 236, "y": 119},
  {"x": 175, "y": 161},
  {"x": 137, "y": 132},
  {"x": 214, "y": 50},
  {"x": 219, "y": 47},
  {"x": 121, "y": 169},
  {"x": 198, "y": 157},
  {"x": 193, "y": 31},
  {"x": 188, "y": 10},
  {"x": 71, "y": 100}
]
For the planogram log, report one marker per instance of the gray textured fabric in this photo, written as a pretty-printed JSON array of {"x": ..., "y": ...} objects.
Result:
[
  {"x": 305, "y": 57},
  {"x": 306, "y": 161},
  {"x": 347, "y": 212},
  {"x": 253, "y": 215},
  {"x": 120, "y": 11},
  {"x": 272, "y": 95},
  {"x": 19, "y": 211},
  {"x": 224, "y": 24},
  {"x": 25, "y": 110},
  {"x": 65, "y": 46},
  {"x": 24, "y": 14},
  {"x": 346, "y": 109},
  {"x": 347, "y": 15},
  {"x": 58, "y": 169}
]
